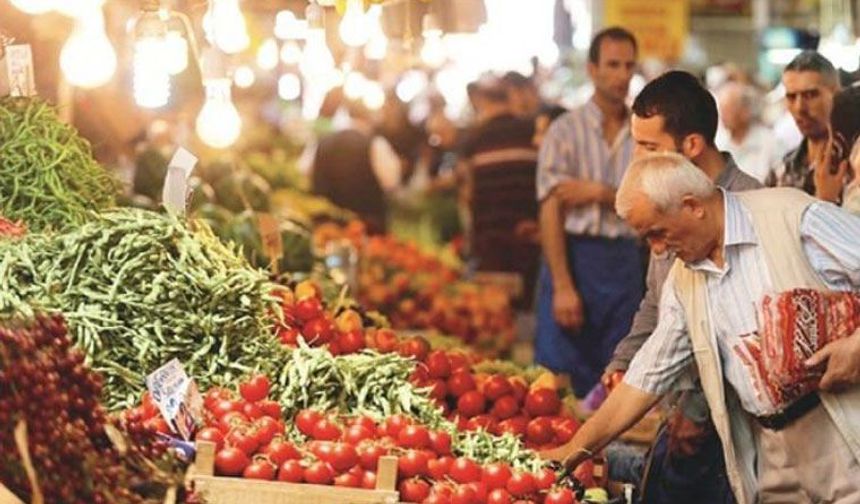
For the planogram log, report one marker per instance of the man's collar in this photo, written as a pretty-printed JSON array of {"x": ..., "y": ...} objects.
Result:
[
  {"x": 738, "y": 228},
  {"x": 730, "y": 170},
  {"x": 595, "y": 115}
]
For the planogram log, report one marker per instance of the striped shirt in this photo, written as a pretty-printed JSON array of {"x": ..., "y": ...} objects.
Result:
[
  {"x": 830, "y": 238},
  {"x": 574, "y": 148}
]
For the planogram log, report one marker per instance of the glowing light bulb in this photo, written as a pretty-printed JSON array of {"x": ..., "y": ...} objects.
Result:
[
  {"x": 151, "y": 80},
  {"x": 34, "y": 6},
  {"x": 291, "y": 53},
  {"x": 176, "y": 52},
  {"x": 355, "y": 85},
  {"x": 289, "y": 86},
  {"x": 244, "y": 77},
  {"x": 218, "y": 124},
  {"x": 374, "y": 96},
  {"x": 284, "y": 22},
  {"x": 316, "y": 58},
  {"x": 377, "y": 46},
  {"x": 433, "y": 51},
  {"x": 88, "y": 59},
  {"x": 225, "y": 26},
  {"x": 354, "y": 29},
  {"x": 411, "y": 85},
  {"x": 267, "y": 54},
  {"x": 77, "y": 8}
]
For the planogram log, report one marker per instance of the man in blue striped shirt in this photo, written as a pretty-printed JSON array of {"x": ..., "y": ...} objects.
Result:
[{"x": 591, "y": 284}]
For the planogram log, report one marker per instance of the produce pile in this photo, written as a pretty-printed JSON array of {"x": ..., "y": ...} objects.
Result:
[
  {"x": 47, "y": 386},
  {"x": 140, "y": 288},
  {"x": 9, "y": 229},
  {"x": 48, "y": 177}
]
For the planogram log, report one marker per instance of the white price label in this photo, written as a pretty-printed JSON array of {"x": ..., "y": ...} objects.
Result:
[
  {"x": 19, "y": 69},
  {"x": 175, "y": 191}
]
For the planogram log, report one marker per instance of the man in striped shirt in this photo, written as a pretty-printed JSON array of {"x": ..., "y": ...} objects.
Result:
[{"x": 591, "y": 284}]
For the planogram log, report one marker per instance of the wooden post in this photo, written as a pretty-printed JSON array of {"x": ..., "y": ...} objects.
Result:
[
  {"x": 386, "y": 473},
  {"x": 204, "y": 464}
]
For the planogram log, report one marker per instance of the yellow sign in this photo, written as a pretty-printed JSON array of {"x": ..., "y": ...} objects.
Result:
[{"x": 660, "y": 26}]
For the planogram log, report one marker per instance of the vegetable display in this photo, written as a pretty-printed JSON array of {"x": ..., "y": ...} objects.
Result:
[
  {"x": 140, "y": 288},
  {"x": 48, "y": 177}
]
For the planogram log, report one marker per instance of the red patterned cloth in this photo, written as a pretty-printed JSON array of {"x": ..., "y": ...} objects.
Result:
[{"x": 795, "y": 325}]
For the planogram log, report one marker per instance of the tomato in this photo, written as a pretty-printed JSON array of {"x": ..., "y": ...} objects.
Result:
[
  {"x": 148, "y": 406},
  {"x": 369, "y": 454},
  {"x": 438, "y": 468},
  {"x": 368, "y": 480},
  {"x": 306, "y": 420},
  {"x": 259, "y": 469},
  {"x": 157, "y": 424},
  {"x": 438, "y": 390},
  {"x": 414, "y": 436},
  {"x": 252, "y": 411},
  {"x": 471, "y": 404},
  {"x": 584, "y": 472},
  {"x": 351, "y": 342},
  {"x": 232, "y": 420},
  {"x": 348, "y": 480},
  {"x": 357, "y": 433},
  {"x": 394, "y": 424},
  {"x": 461, "y": 382},
  {"x": 413, "y": 490},
  {"x": 211, "y": 434},
  {"x": 363, "y": 421},
  {"x": 270, "y": 408},
  {"x": 464, "y": 494},
  {"x": 539, "y": 431},
  {"x": 542, "y": 402},
  {"x": 459, "y": 362},
  {"x": 505, "y": 407},
  {"x": 415, "y": 347},
  {"x": 442, "y": 489},
  {"x": 465, "y": 470},
  {"x": 343, "y": 457},
  {"x": 289, "y": 336},
  {"x": 564, "y": 429},
  {"x": 544, "y": 479},
  {"x": 438, "y": 364},
  {"x": 420, "y": 377},
  {"x": 224, "y": 406},
  {"x": 438, "y": 498},
  {"x": 214, "y": 395},
  {"x": 496, "y": 475},
  {"x": 243, "y": 439},
  {"x": 483, "y": 422},
  {"x": 440, "y": 441},
  {"x": 318, "y": 331},
  {"x": 386, "y": 340},
  {"x": 279, "y": 451},
  {"x": 308, "y": 308},
  {"x": 481, "y": 491},
  {"x": 255, "y": 389},
  {"x": 521, "y": 484},
  {"x": 231, "y": 462},
  {"x": 412, "y": 463},
  {"x": 499, "y": 496},
  {"x": 319, "y": 473},
  {"x": 516, "y": 425},
  {"x": 560, "y": 496},
  {"x": 519, "y": 388},
  {"x": 497, "y": 386},
  {"x": 267, "y": 429},
  {"x": 291, "y": 471},
  {"x": 326, "y": 430}
]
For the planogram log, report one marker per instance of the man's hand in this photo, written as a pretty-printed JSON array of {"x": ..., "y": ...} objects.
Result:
[
  {"x": 611, "y": 379},
  {"x": 829, "y": 184},
  {"x": 843, "y": 363},
  {"x": 568, "y": 309},
  {"x": 576, "y": 193}
]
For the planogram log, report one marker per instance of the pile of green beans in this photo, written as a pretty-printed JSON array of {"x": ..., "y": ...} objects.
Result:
[
  {"x": 138, "y": 289},
  {"x": 48, "y": 177}
]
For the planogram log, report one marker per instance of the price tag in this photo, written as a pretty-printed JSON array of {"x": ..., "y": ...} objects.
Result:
[
  {"x": 17, "y": 71},
  {"x": 175, "y": 192},
  {"x": 270, "y": 234},
  {"x": 177, "y": 397}
]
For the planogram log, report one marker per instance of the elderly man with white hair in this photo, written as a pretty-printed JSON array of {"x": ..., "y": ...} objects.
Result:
[{"x": 782, "y": 441}]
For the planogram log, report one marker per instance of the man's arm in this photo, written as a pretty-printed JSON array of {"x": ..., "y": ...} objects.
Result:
[
  {"x": 579, "y": 192},
  {"x": 625, "y": 406},
  {"x": 567, "y": 305}
]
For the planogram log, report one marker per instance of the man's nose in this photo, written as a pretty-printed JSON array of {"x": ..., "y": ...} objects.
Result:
[{"x": 657, "y": 246}]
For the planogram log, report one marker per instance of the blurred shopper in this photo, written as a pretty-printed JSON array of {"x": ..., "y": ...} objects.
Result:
[
  {"x": 499, "y": 172},
  {"x": 675, "y": 113},
  {"x": 356, "y": 168},
  {"x": 593, "y": 283},
  {"x": 810, "y": 82},
  {"x": 398, "y": 130},
  {"x": 523, "y": 95},
  {"x": 545, "y": 117},
  {"x": 750, "y": 143}
]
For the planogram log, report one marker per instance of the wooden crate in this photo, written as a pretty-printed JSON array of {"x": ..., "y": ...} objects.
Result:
[{"x": 221, "y": 490}]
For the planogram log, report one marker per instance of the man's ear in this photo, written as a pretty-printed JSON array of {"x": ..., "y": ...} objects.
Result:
[
  {"x": 693, "y": 145},
  {"x": 693, "y": 205}
]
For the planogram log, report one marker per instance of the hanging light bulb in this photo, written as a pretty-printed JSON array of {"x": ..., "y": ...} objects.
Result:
[
  {"x": 176, "y": 52},
  {"x": 374, "y": 95},
  {"x": 355, "y": 85},
  {"x": 218, "y": 124},
  {"x": 316, "y": 58},
  {"x": 151, "y": 79},
  {"x": 284, "y": 21},
  {"x": 289, "y": 86},
  {"x": 267, "y": 54},
  {"x": 291, "y": 53},
  {"x": 353, "y": 29},
  {"x": 34, "y": 6},
  {"x": 244, "y": 77},
  {"x": 377, "y": 46},
  {"x": 432, "y": 50},
  {"x": 76, "y": 8},
  {"x": 88, "y": 59},
  {"x": 225, "y": 26}
]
